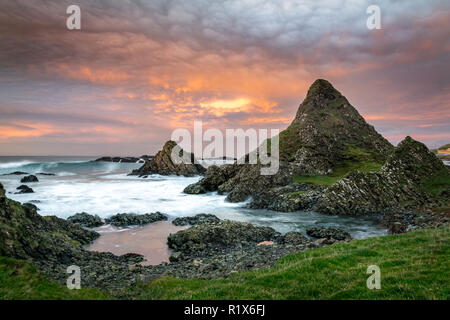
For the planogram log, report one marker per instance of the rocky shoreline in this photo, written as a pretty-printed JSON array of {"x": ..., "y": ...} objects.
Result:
[{"x": 209, "y": 248}]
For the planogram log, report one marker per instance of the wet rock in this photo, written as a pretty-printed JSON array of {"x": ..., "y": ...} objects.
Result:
[
  {"x": 215, "y": 176},
  {"x": 329, "y": 233},
  {"x": 128, "y": 219},
  {"x": 24, "y": 189},
  {"x": 86, "y": 220},
  {"x": 30, "y": 178},
  {"x": 224, "y": 234},
  {"x": 194, "y": 188},
  {"x": 195, "y": 220}
]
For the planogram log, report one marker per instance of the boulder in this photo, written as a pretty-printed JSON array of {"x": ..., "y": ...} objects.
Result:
[
  {"x": 195, "y": 220},
  {"x": 24, "y": 189},
  {"x": 331, "y": 233},
  {"x": 30, "y": 178},
  {"x": 129, "y": 219},
  {"x": 86, "y": 220},
  {"x": 224, "y": 234}
]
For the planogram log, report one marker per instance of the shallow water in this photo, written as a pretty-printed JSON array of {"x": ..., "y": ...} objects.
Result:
[
  {"x": 104, "y": 189},
  {"x": 149, "y": 240}
]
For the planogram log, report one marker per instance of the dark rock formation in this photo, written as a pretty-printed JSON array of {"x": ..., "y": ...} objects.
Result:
[
  {"x": 163, "y": 163},
  {"x": 31, "y": 206},
  {"x": 129, "y": 219},
  {"x": 123, "y": 159},
  {"x": 328, "y": 135},
  {"x": 195, "y": 220},
  {"x": 412, "y": 177},
  {"x": 294, "y": 238},
  {"x": 16, "y": 173},
  {"x": 24, "y": 189},
  {"x": 224, "y": 234},
  {"x": 326, "y": 127},
  {"x": 30, "y": 178},
  {"x": 86, "y": 220},
  {"x": 331, "y": 233}
]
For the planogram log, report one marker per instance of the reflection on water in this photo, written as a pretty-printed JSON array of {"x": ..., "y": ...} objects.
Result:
[{"x": 149, "y": 240}]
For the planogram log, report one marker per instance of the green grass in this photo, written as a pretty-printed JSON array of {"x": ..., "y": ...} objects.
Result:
[
  {"x": 19, "y": 280},
  {"x": 438, "y": 183},
  {"x": 354, "y": 158},
  {"x": 415, "y": 265}
]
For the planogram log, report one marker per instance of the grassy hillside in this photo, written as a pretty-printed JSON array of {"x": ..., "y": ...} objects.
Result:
[
  {"x": 415, "y": 265},
  {"x": 19, "y": 280}
]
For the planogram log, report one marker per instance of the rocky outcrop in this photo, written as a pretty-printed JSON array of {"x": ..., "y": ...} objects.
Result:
[
  {"x": 130, "y": 219},
  {"x": 163, "y": 163},
  {"x": 325, "y": 128},
  {"x": 412, "y": 177},
  {"x": 195, "y": 220},
  {"x": 86, "y": 220},
  {"x": 331, "y": 233},
  {"x": 24, "y": 189},
  {"x": 30, "y": 178},
  {"x": 225, "y": 234},
  {"x": 328, "y": 135},
  {"x": 215, "y": 176}
]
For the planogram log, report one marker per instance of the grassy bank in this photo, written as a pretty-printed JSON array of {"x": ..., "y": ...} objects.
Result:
[
  {"x": 19, "y": 280},
  {"x": 415, "y": 265}
]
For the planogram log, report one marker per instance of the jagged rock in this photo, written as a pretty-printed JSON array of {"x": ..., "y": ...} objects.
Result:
[
  {"x": 215, "y": 176},
  {"x": 86, "y": 220},
  {"x": 326, "y": 134},
  {"x": 325, "y": 128},
  {"x": 24, "y": 189},
  {"x": 290, "y": 198},
  {"x": 405, "y": 181},
  {"x": 195, "y": 220},
  {"x": 163, "y": 163},
  {"x": 129, "y": 219},
  {"x": 224, "y": 234},
  {"x": 333, "y": 233},
  {"x": 30, "y": 178}
]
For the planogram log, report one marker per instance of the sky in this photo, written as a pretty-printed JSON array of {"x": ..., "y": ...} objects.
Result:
[{"x": 137, "y": 70}]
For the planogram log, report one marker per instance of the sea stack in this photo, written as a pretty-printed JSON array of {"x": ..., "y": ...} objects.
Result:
[{"x": 163, "y": 163}]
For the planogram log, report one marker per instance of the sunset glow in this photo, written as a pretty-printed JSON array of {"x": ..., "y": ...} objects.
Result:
[{"x": 137, "y": 71}]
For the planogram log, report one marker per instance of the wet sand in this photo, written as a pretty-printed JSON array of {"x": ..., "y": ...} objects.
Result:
[{"x": 149, "y": 240}]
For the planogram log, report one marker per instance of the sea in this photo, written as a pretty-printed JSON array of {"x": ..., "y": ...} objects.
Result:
[{"x": 80, "y": 184}]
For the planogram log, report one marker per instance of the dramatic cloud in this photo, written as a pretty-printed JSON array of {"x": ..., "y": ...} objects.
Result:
[{"x": 139, "y": 69}]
